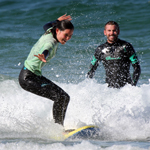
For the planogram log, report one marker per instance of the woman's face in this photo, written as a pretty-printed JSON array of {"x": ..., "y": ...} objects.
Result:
[{"x": 64, "y": 36}]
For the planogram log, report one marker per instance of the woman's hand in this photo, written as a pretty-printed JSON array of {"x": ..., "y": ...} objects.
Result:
[
  {"x": 41, "y": 57},
  {"x": 64, "y": 17}
]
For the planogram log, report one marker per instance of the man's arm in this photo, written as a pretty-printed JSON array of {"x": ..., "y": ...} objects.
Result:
[
  {"x": 135, "y": 63},
  {"x": 136, "y": 73},
  {"x": 93, "y": 66}
]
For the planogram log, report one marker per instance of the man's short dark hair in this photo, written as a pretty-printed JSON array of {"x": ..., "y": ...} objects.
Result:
[{"x": 112, "y": 23}]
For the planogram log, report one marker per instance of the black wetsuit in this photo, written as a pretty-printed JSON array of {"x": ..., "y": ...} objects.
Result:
[
  {"x": 116, "y": 59},
  {"x": 44, "y": 87}
]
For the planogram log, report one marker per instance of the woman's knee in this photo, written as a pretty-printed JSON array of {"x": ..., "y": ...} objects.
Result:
[{"x": 66, "y": 97}]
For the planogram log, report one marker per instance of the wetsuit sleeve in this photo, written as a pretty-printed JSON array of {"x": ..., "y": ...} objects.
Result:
[
  {"x": 50, "y": 24},
  {"x": 136, "y": 73},
  {"x": 94, "y": 64},
  {"x": 135, "y": 63},
  {"x": 46, "y": 53}
]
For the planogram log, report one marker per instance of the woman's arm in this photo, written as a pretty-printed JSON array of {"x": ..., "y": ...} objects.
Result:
[{"x": 52, "y": 23}]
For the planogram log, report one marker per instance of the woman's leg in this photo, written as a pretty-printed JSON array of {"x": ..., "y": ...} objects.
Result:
[
  {"x": 60, "y": 98},
  {"x": 46, "y": 88}
]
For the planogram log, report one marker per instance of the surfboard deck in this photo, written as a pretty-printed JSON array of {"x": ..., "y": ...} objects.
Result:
[{"x": 85, "y": 132}]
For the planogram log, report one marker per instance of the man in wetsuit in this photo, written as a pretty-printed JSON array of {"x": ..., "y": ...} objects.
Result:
[{"x": 116, "y": 56}]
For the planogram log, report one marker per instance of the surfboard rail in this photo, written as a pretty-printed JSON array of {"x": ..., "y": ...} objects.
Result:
[{"x": 82, "y": 132}]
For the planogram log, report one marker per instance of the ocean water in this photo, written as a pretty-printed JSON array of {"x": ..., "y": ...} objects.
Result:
[{"x": 123, "y": 115}]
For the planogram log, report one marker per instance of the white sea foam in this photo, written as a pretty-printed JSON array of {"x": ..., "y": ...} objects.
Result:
[
  {"x": 84, "y": 145},
  {"x": 120, "y": 113}
]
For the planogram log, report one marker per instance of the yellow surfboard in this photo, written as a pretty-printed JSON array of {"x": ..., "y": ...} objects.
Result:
[{"x": 85, "y": 132}]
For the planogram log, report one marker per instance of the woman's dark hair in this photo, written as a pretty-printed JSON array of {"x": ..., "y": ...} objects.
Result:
[
  {"x": 62, "y": 25},
  {"x": 65, "y": 24}
]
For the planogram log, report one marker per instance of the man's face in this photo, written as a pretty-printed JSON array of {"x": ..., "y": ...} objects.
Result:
[{"x": 111, "y": 32}]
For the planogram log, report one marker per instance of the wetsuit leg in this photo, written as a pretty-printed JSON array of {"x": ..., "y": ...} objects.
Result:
[{"x": 43, "y": 87}]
